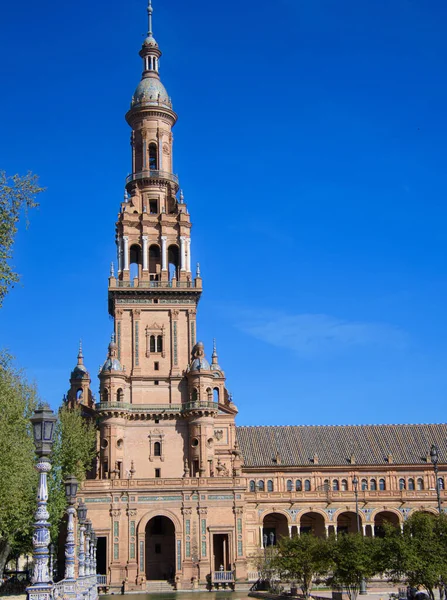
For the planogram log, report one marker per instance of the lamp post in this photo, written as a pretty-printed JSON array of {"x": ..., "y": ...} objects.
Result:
[
  {"x": 43, "y": 422},
  {"x": 52, "y": 561},
  {"x": 434, "y": 460},
  {"x": 355, "y": 483},
  {"x": 82, "y": 515},
  {"x": 71, "y": 489},
  {"x": 88, "y": 533}
]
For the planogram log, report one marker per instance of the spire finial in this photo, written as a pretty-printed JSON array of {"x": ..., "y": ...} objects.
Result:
[
  {"x": 198, "y": 270},
  {"x": 80, "y": 354},
  {"x": 149, "y": 18},
  {"x": 182, "y": 197},
  {"x": 214, "y": 348},
  {"x": 112, "y": 270}
]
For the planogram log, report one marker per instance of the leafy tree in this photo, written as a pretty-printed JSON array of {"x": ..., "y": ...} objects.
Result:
[
  {"x": 355, "y": 559},
  {"x": 419, "y": 554},
  {"x": 302, "y": 558},
  {"x": 17, "y": 195},
  {"x": 73, "y": 452},
  {"x": 18, "y": 478}
]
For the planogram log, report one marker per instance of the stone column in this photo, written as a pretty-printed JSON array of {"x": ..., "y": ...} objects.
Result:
[
  {"x": 290, "y": 531},
  {"x": 188, "y": 255},
  {"x": 163, "y": 253},
  {"x": 145, "y": 255},
  {"x": 119, "y": 247},
  {"x": 126, "y": 252},
  {"x": 182, "y": 253},
  {"x": 261, "y": 536}
]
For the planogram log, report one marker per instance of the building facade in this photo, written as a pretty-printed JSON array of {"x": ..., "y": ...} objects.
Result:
[{"x": 179, "y": 493}]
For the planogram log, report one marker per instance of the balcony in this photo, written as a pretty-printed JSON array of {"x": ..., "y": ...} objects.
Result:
[
  {"x": 124, "y": 407},
  {"x": 135, "y": 283},
  {"x": 153, "y": 175}
]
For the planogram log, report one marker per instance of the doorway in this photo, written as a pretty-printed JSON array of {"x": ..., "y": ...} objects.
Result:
[
  {"x": 221, "y": 552},
  {"x": 160, "y": 549}
]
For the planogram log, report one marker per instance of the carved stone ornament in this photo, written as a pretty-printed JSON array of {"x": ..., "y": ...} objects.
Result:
[
  {"x": 115, "y": 512},
  {"x": 118, "y": 313},
  {"x": 218, "y": 434},
  {"x": 174, "y": 313},
  {"x": 131, "y": 512},
  {"x": 186, "y": 511},
  {"x": 166, "y": 149},
  {"x": 136, "y": 313},
  {"x": 238, "y": 510},
  {"x": 202, "y": 511}
]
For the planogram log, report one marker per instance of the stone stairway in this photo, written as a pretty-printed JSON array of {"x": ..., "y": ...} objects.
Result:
[{"x": 159, "y": 586}]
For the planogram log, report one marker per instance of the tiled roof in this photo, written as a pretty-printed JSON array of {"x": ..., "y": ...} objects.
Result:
[{"x": 334, "y": 445}]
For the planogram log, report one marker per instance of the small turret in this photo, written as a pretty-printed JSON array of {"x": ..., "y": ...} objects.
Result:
[{"x": 79, "y": 392}]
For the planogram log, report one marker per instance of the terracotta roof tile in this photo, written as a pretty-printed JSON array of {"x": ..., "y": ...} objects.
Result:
[{"x": 335, "y": 444}]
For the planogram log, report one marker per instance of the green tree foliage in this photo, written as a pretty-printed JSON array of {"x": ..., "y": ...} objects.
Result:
[
  {"x": 74, "y": 449},
  {"x": 17, "y": 195},
  {"x": 419, "y": 554},
  {"x": 301, "y": 559},
  {"x": 354, "y": 559},
  {"x": 18, "y": 478}
]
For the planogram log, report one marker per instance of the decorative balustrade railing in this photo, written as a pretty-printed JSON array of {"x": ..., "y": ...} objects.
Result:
[
  {"x": 155, "y": 408},
  {"x": 253, "y": 575},
  {"x": 156, "y": 284},
  {"x": 152, "y": 174},
  {"x": 101, "y": 580},
  {"x": 222, "y": 576}
]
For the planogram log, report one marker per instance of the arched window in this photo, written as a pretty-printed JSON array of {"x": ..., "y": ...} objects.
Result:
[
  {"x": 195, "y": 395},
  {"x": 326, "y": 485},
  {"x": 135, "y": 261},
  {"x": 270, "y": 485},
  {"x": 173, "y": 261},
  {"x": 157, "y": 449},
  {"x": 307, "y": 487},
  {"x": 159, "y": 343},
  {"x": 411, "y": 484},
  {"x": 420, "y": 484},
  {"x": 298, "y": 485},
  {"x": 344, "y": 485},
  {"x": 402, "y": 485},
  {"x": 252, "y": 486},
  {"x": 152, "y": 343},
  {"x": 216, "y": 395},
  {"x": 154, "y": 262},
  {"x": 364, "y": 485},
  {"x": 335, "y": 485},
  {"x": 382, "y": 485},
  {"x": 79, "y": 394},
  {"x": 373, "y": 485},
  {"x": 440, "y": 483},
  {"x": 119, "y": 395},
  {"x": 105, "y": 395},
  {"x": 289, "y": 485},
  {"x": 261, "y": 485},
  {"x": 209, "y": 394},
  {"x": 153, "y": 158}
]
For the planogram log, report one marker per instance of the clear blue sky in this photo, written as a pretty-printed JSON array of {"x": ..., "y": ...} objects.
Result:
[{"x": 311, "y": 147}]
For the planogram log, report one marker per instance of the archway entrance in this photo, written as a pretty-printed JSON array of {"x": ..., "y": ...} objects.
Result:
[
  {"x": 160, "y": 549},
  {"x": 384, "y": 517},
  {"x": 312, "y": 522},
  {"x": 275, "y": 526},
  {"x": 347, "y": 522}
]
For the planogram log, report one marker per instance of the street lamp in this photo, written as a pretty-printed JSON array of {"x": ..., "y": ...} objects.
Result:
[
  {"x": 355, "y": 483},
  {"x": 82, "y": 515},
  {"x": 88, "y": 533},
  {"x": 43, "y": 421},
  {"x": 434, "y": 460},
  {"x": 71, "y": 489}
]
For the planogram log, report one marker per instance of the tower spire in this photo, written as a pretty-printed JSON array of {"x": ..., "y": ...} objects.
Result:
[
  {"x": 149, "y": 18},
  {"x": 80, "y": 354}
]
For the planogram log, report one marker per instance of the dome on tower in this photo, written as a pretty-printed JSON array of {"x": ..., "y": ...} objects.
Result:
[
  {"x": 112, "y": 363},
  {"x": 80, "y": 370},
  {"x": 199, "y": 362},
  {"x": 151, "y": 89}
]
